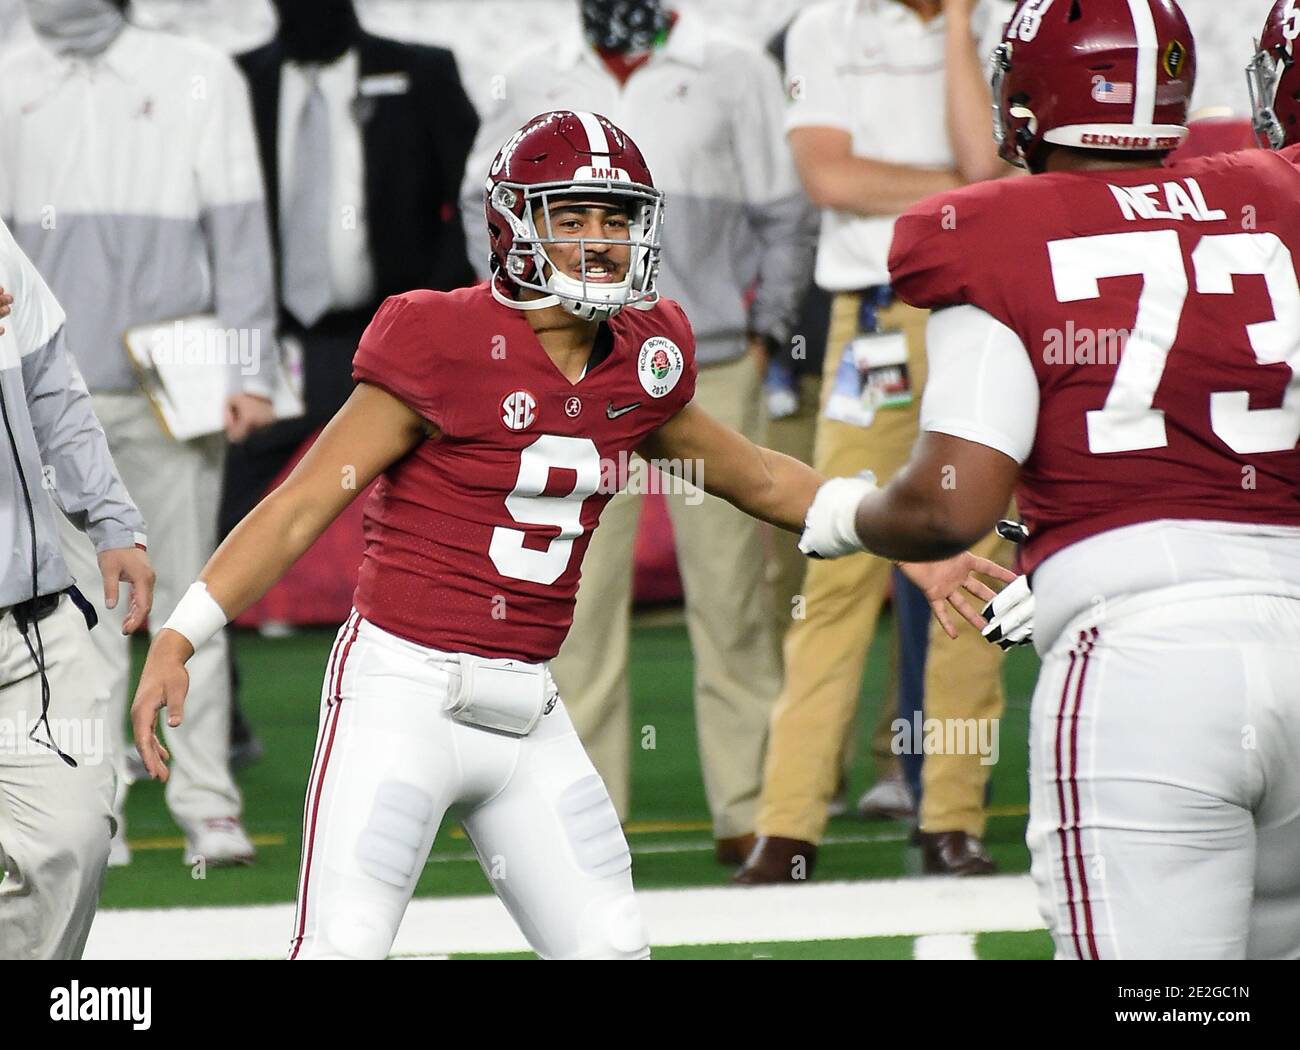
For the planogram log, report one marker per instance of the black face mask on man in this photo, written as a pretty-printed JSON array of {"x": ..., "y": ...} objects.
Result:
[
  {"x": 317, "y": 31},
  {"x": 77, "y": 27},
  {"x": 624, "y": 26}
]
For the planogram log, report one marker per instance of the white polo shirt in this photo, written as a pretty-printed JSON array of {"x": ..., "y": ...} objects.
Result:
[
  {"x": 874, "y": 69},
  {"x": 133, "y": 182}
]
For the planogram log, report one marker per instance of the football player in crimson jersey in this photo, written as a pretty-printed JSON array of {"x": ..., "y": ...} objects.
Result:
[
  {"x": 1274, "y": 77},
  {"x": 1119, "y": 344},
  {"x": 499, "y": 420}
]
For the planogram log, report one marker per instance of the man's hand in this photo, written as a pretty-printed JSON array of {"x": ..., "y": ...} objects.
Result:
[
  {"x": 942, "y": 582},
  {"x": 163, "y": 683},
  {"x": 246, "y": 413},
  {"x": 6, "y": 300},
  {"x": 132, "y": 565}
]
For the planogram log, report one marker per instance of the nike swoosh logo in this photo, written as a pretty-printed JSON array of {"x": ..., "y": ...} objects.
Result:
[{"x": 613, "y": 413}]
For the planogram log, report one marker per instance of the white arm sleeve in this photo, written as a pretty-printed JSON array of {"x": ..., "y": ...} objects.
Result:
[{"x": 981, "y": 386}]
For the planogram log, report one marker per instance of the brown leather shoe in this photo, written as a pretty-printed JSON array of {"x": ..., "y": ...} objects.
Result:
[
  {"x": 733, "y": 851},
  {"x": 775, "y": 859},
  {"x": 954, "y": 853}
]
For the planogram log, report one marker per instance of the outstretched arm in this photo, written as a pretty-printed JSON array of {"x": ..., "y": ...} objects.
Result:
[
  {"x": 371, "y": 431},
  {"x": 767, "y": 485},
  {"x": 779, "y": 489},
  {"x": 950, "y": 495}
]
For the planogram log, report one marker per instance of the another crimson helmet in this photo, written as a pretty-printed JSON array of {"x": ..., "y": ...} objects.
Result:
[
  {"x": 1092, "y": 74},
  {"x": 567, "y": 155},
  {"x": 1274, "y": 77}
]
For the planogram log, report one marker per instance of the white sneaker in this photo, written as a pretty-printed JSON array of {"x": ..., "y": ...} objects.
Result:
[
  {"x": 889, "y": 799},
  {"x": 220, "y": 842}
]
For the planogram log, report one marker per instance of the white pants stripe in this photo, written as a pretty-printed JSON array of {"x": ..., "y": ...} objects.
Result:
[{"x": 1165, "y": 781}]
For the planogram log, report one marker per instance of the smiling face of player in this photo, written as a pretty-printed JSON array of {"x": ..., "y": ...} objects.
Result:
[{"x": 573, "y": 221}]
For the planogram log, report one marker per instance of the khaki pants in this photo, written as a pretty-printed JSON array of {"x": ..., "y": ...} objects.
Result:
[
  {"x": 176, "y": 486},
  {"x": 55, "y": 821},
  {"x": 720, "y": 554},
  {"x": 825, "y": 652}
]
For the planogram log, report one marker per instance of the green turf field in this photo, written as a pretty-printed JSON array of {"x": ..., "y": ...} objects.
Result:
[{"x": 669, "y": 833}]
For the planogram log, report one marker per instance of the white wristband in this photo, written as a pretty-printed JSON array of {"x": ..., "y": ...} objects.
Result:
[
  {"x": 830, "y": 530},
  {"x": 197, "y": 615}
]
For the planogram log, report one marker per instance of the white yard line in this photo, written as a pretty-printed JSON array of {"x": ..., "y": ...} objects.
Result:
[
  {"x": 945, "y": 946},
  {"x": 452, "y": 925}
]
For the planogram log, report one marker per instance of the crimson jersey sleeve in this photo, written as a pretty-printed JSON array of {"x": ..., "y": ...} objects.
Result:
[
  {"x": 941, "y": 249},
  {"x": 923, "y": 259},
  {"x": 398, "y": 352}
]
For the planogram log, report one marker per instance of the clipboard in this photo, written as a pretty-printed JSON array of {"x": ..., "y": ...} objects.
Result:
[{"x": 182, "y": 366}]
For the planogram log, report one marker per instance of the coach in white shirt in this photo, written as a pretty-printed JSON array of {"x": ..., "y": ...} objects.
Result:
[
  {"x": 889, "y": 104},
  {"x": 129, "y": 175},
  {"x": 56, "y": 784},
  {"x": 706, "y": 110}
]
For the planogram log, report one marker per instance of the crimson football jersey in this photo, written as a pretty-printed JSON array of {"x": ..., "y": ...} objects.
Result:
[
  {"x": 475, "y": 539},
  {"x": 1161, "y": 312}
]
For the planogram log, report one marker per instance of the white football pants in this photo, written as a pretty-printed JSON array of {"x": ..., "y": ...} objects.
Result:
[
  {"x": 1165, "y": 780},
  {"x": 389, "y": 761},
  {"x": 55, "y": 821}
]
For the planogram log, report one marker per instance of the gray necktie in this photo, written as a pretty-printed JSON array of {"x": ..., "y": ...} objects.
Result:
[{"x": 305, "y": 216}]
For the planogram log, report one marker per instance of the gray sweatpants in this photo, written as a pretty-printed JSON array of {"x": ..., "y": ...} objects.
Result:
[{"x": 55, "y": 821}]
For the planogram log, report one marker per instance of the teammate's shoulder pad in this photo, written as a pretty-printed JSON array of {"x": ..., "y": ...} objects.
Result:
[{"x": 930, "y": 259}]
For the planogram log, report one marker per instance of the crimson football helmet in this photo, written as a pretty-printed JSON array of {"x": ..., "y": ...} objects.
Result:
[
  {"x": 1274, "y": 77},
  {"x": 1092, "y": 74},
  {"x": 570, "y": 156}
]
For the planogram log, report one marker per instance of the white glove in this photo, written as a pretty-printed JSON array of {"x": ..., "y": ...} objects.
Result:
[
  {"x": 828, "y": 530},
  {"x": 1011, "y": 615}
]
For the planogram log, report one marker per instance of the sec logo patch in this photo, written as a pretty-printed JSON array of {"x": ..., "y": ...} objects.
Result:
[
  {"x": 518, "y": 410},
  {"x": 659, "y": 365}
]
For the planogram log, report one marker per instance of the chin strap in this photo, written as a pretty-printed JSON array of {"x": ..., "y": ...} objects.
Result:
[
  {"x": 586, "y": 310},
  {"x": 522, "y": 304}
]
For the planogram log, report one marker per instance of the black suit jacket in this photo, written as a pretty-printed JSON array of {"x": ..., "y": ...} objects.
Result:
[{"x": 415, "y": 145}]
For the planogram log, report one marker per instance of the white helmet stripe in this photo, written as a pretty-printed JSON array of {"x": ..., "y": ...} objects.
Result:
[
  {"x": 1144, "y": 94},
  {"x": 596, "y": 133}
]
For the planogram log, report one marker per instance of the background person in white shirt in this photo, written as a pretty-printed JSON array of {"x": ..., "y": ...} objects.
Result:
[
  {"x": 129, "y": 173},
  {"x": 889, "y": 104},
  {"x": 706, "y": 110}
]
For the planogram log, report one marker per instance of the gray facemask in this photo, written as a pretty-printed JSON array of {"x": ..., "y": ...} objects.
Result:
[{"x": 76, "y": 27}]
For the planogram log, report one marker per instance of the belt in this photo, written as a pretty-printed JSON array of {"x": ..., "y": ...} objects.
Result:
[{"x": 33, "y": 610}]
